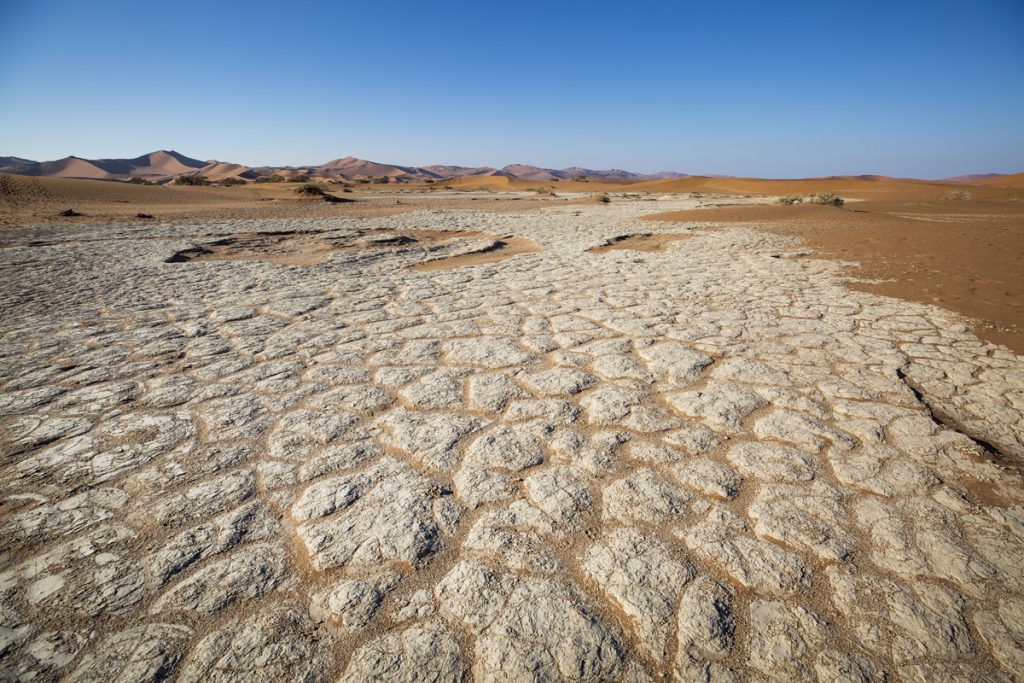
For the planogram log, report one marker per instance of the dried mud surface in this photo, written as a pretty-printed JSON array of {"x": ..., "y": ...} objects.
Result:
[
  {"x": 645, "y": 242},
  {"x": 712, "y": 461},
  {"x": 967, "y": 256}
]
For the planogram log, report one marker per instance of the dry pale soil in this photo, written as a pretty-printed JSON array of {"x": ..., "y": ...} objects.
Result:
[{"x": 278, "y": 450}]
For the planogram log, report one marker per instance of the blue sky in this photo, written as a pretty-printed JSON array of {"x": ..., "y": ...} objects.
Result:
[{"x": 771, "y": 89}]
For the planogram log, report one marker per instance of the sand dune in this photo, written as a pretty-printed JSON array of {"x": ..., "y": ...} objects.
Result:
[
  {"x": 73, "y": 167},
  {"x": 351, "y": 167},
  {"x": 1014, "y": 180},
  {"x": 219, "y": 170},
  {"x": 970, "y": 178},
  {"x": 461, "y": 171},
  {"x": 164, "y": 163},
  {"x": 161, "y": 165},
  {"x": 527, "y": 172}
]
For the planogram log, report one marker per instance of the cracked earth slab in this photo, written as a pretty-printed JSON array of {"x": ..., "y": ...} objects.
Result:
[{"x": 701, "y": 462}]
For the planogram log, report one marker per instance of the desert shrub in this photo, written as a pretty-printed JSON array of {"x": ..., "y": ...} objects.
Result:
[
  {"x": 790, "y": 201},
  {"x": 272, "y": 178},
  {"x": 69, "y": 213},
  {"x": 231, "y": 181},
  {"x": 546, "y": 191},
  {"x": 957, "y": 195},
  {"x": 346, "y": 189},
  {"x": 197, "y": 179},
  {"x": 310, "y": 190},
  {"x": 581, "y": 179},
  {"x": 827, "y": 198},
  {"x": 604, "y": 198},
  {"x": 143, "y": 215},
  {"x": 383, "y": 180},
  {"x": 429, "y": 181},
  {"x": 139, "y": 181},
  {"x": 301, "y": 178}
]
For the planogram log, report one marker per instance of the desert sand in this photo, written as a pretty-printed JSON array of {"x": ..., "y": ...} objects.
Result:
[
  {"x": 489, "y": 433},
  {"x": 924, "y": 243}
]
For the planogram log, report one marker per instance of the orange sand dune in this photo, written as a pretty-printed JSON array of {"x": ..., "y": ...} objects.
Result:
[
  {"x": 219, "y": 170},
  {"x": 1015, "y": 180},
  {"x": 161, "y": 164},
  {"x": 73, "y": 167}
]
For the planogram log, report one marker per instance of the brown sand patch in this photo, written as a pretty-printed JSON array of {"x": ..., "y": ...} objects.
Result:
[
  {"x": 646, "y": 241},
  {"x": 966, "y": 256},
  {"x": 499, "y": 250},
  {"x": 30, "y": 201}
]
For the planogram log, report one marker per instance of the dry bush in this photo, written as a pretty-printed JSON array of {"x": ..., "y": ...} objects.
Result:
[
  {"x": 790, "y": 201},
  {"x": 957, "y": 195},
  {"x": 310, "y": 190},
  {"x": 827, "y": 198},
  {"x": 197, "y": 179}
]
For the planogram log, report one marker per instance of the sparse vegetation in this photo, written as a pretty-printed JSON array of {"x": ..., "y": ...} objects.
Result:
[
  {"x": 272, "y": 178},
  {"x": 69, "y": 213},
  {"x": 604, "y": 198},
  {"x": 143, "y": 215},
  {"x": 383, "y": 180},
  {"x": 197, "y": 179},
  {"x": 957, "y": 195},
  {"x": 791, "y": 200},
  {"x": 827, "y": 198},
  {"x": 300, "y": 178},
  {"x": 581, "y": 179},
  {"x": 310, "y": 190},
  {"x": 546, "y": 191},
  {"x": 231, "y": 181},
  {"x": 139, "y": 181}
]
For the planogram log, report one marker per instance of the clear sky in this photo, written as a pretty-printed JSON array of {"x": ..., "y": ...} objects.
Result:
[{"x": 774, "y": 89}]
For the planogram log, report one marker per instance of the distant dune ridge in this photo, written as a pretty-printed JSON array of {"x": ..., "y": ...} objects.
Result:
[{"x": 164, "y": 166}]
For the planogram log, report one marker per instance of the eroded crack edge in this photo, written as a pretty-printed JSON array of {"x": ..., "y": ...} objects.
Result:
[{"x": 943, "y": 419}]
